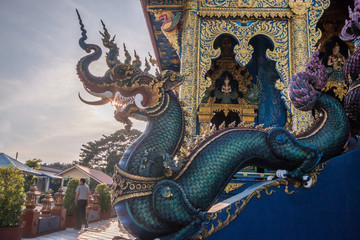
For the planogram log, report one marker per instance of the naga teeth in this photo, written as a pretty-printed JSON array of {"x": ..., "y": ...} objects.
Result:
[
  {"x": 120, "y": 101},
  {"x": 120, "y": 97}
]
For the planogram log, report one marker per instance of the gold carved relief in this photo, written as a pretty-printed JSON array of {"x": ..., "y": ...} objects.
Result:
[
  {"x": 315, "y": 11},
  {"x": 304, "y": 36},
  {"x": 188, "y": 67},
  {"x": 339, "y": 88},
  {"x": 245, "y": 3},
  {"x": 243, "y": 52}
]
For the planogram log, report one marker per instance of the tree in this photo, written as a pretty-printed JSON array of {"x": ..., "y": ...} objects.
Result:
[
  {"x": 105, "y": 153},
  {"x": 59, "y": 165},
  {"x": 12, "y": 196},
  {"x": 104, "y": 197},
  {"x": 29, "y": 179},
  {"x": 34, "y": 163},
  {"x": 69, "y": 200}
]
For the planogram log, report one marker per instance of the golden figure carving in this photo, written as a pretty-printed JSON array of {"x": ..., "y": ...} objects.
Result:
[{"x": 336, "y": 59}]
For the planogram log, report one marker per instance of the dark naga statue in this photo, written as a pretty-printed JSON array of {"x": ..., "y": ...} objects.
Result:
[
  {"x": 351, "y": 69},
  {"x": 158, "y": 196}
]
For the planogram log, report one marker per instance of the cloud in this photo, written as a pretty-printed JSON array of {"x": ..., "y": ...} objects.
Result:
[
  {"x": 49, "y": 116},
  {"x": 40, "y": 113}
]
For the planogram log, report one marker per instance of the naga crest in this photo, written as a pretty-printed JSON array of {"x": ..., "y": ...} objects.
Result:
[{"x": 132, "y": 91}]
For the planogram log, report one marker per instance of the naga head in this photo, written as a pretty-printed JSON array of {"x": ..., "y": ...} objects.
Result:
[
  {"x": 304, "y": 85},
  {"x": 132, "y": 91}
]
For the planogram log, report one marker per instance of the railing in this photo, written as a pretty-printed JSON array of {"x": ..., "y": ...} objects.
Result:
[{"x": 52, "y": 216}]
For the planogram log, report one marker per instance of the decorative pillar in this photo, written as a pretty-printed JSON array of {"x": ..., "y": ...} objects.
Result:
[
  {"x": 95, "y": 202},
  {"x": 299, "y": 39},
  {"x": 90, "y": 204},
  {"x": 59, "y": 209},
  {"x": 47, "y": 201},
  {"x": 205, "y": 115},
  {"x": 189, "y": 69},
  {"x": 30, "y": 218}
]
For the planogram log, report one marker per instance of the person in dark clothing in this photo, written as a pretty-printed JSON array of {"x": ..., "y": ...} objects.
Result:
[{"x": 81, "y": 197}]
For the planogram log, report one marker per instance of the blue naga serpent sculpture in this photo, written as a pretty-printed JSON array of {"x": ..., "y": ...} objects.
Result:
[{"x": 156, "y": 198}]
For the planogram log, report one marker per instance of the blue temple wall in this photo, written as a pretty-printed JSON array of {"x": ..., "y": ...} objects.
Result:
[
  {"x": 272, "y": 111},
  {"x": 330, "y": 210}
]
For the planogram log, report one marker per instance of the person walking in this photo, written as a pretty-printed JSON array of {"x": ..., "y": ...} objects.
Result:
[{"x": 81, "y": 197}]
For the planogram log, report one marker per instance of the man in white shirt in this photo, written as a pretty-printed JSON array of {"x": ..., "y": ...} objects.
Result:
[{"x": 81, "y": 197}]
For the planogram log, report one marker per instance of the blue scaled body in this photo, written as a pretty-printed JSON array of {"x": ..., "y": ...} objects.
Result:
[{"x": 156, "y": 196}]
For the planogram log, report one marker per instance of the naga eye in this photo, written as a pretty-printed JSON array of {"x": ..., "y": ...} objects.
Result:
[
  {"x": 281, "y": 139},
  {"x": 122, "y": 72}
]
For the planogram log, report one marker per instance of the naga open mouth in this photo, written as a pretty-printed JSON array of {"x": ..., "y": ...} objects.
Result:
[
  {"x": 121, "y": 102},
  {"x": 117, "y": 100}
]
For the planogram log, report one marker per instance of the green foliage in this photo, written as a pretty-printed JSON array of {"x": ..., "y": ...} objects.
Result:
[
  {"x": 104, "y": 196},
  {"x": 12, "y": 196},
  {"x": 34, "y": 163},
  {"x": 29, "y": 179},
  {"x": 103, "y": 154},
  {"x": 93, "y": 184},
  {"x": 69, "y": 200}
]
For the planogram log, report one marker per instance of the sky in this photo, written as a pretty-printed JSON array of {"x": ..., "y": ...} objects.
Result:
[{"x": 41, "y": 115}]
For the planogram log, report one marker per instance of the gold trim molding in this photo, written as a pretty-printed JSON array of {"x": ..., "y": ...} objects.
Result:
[
  {"x": 246, "y": 13},
  {"x": 126, "y": 186},
  {"x": 243, "y": 4}
]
